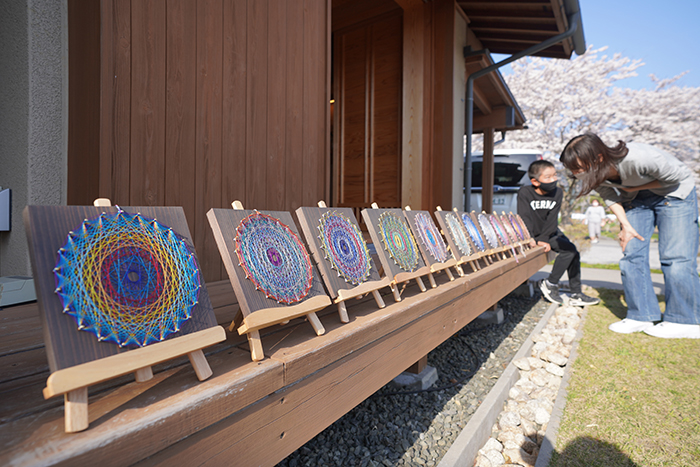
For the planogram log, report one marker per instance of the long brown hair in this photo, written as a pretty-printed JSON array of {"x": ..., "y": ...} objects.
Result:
[{"x": 581, "y": 153}]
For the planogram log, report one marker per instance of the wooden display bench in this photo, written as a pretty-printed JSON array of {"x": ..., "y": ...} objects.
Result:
[
  {"x": 340, "y": 290},
  {"x": 255, "y": 413}
]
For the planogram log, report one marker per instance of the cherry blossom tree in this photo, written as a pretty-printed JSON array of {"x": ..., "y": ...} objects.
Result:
[{"x": 564, "y": 98}]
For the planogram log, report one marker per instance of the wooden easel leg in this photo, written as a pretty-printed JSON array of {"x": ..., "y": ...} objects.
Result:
[
  {"x": 343, "y": 312},
  {"x": 237, "y": 320},
  {"x": 76, "y": 410},
  {"x": 143, "y": 374},
  {"x": 200, "y": 364},
  {"x": 395, "y": 291},
  {"x": 316, "y": 324},
  {"x": 449, "y": 274},
  {"x": 474, "y": 268},
  {"x": 378, "y": 298},
  {"x": 432, "y": 280},
  {"x": 256, "y": 349},
  {"x": 421, "y": 285},
  {"x": 460, "y": 271}
]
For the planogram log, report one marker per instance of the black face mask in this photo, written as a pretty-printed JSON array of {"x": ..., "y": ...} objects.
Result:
[{"x": 548, "y": 187}]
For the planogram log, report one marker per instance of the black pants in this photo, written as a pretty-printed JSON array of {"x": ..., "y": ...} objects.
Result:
[{"x": 568, "y": 259}]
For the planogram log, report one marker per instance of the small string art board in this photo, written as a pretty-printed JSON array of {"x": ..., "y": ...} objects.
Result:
[
  {"x": 396, "y": 247},
  {"x": 489, "y": 236},
  {"x": 462, "y": 247},
  {"x": 512, "y": 231},
  {"x": 526, "y": 233},
  {"x": 119, "y": 290},
  {"x": 340, "y": 251},
  {"x": 430, "y": 243},
  {"x": 270, "y": 271},
  {"x": 503, "y": 235}
]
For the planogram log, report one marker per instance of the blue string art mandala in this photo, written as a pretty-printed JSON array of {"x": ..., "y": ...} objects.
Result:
[
  {"x": 500, "y": 230},
  {"x": 458, "y": 234},
  {"x": 398, "y": 241},
  {"x": 473, "y": 232},
  {"x": 127, "y": 279},
  {"x": 489, "y": 233},
  {"x": 344, "y": 247},
  {"x": 273, "y": 258},
  {"x": 431, "y": 238}
]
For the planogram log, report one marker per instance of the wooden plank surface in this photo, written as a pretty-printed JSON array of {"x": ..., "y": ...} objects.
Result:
[
  {"x": 47, "y": 230},
  {"x": 309, "y": 219}
]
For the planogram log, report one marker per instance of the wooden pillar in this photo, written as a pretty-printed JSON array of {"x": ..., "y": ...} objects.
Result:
[{"x": 487, "y": 172}]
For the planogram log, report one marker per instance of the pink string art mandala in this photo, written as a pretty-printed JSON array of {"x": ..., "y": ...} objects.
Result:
[
  {"x": 127, "y": 279},
  {"x": 273, "y": 258}
]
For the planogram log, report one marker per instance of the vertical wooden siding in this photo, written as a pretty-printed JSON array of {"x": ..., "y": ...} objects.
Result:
[
  {"x": 204, "y": 102},
  {"x": 368, "y": 87}
]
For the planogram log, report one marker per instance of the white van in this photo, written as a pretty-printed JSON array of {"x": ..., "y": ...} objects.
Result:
[{"x": 510, "y": 173}]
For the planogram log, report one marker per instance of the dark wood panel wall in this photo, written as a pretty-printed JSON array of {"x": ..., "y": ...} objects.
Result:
[
  {"x": 202, "y": 102},
  {"x": 368, "y": 93}
]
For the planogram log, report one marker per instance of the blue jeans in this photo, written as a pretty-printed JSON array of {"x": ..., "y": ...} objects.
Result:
[{"x": 677, "y": 220}]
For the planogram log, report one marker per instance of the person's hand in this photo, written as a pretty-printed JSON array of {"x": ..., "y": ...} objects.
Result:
[
  {"x": 533, "y": 243},
  {"x": 626, "y": 234},
  {"x": 547, "y": 246}
]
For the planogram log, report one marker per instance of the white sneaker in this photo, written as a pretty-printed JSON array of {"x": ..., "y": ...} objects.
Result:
[
  {"x": 667, "y": 330},
  {"x": 628, "y": 326}
]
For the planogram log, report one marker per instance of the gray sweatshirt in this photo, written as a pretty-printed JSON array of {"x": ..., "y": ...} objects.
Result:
[{"x": 643, "y": 164}]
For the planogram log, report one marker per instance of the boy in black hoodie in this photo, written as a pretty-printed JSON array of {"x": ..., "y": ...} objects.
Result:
[{"x": 539, "y": 205}]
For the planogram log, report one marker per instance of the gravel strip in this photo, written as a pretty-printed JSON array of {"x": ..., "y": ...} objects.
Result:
[{"x": 417, "y": 429}]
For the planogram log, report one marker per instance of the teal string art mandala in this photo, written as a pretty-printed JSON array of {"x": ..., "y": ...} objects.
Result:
[
  {"x": 489, "y": 233},
  {"x": 473, "y": 232},
  {"x": 344, "y": 247},
  {"x": 127, "y": 279},
  {"x": 273, "y": 258},
  {"x": 398, "y": 241},
  {"x": 500, "y": 230},
  {"x": 431, "y": 238},
  {"x": 458, "y": 234}
]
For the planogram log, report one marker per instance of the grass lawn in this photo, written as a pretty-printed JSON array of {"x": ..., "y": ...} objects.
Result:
[{"x": 633, "y": 400}]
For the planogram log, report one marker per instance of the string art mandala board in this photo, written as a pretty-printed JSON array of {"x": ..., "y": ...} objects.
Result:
[
  {"x": 400, "y": 255},
  {"x": 269, "y": 267},
  {"x": 128, "y": 281},
  {"x": 461, "y": 246},
  {"x": 430, "y": 243},
  {"x": 339, "y": 250}
]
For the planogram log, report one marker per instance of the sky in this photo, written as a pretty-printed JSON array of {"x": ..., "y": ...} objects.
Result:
[{"x": 663, "y": 34}]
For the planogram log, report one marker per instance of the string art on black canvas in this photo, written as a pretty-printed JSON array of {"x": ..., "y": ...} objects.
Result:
[
  {"x": 344, "y": 247},
  {"x": 458, "y": 234},
  {"x": 273, "y": 258},
  {"x": 398, "y": 241},
  {"x": 473, "y": 232},
  {"x": 127, "y": 279},
  {"x": 489, "y": 233},
  {"x": 431, "y": 238}
]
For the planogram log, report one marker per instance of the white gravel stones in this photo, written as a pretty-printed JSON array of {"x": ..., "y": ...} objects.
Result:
[{"x": 522, "y": 425}]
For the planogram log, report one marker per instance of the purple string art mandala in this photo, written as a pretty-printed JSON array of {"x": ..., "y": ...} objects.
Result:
[
  {"x": 458, "y": 234},
  {"x": 512, "y": 234},
  {"x": 273, "y": 258},
  {"x": 489, "y": 233},
  {"x": 344, "y": 247},
  {"x": 398, "y": 241},
  {"x": 473, "y": 232},
  {"x": 516, "y": 226},
  {"x": 500, "y": 230},
  {"x": 127, "y": 279},
  {"x": 431, "y": 238}
]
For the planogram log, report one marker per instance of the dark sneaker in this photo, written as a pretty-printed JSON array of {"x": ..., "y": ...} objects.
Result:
[
  {"x": 550, "y": 292},
  {"x": 579, "y": 299}
]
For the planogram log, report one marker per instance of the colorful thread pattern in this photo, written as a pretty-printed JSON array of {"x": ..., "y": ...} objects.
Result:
[
  {"x": 344, "y": 247},
  {"x": 473, "y": 232},
  {"x": 526, "y": 232},
  {"x": 516, "y": 226},
  {"x": 431, "y": 238},
  {"x": 458, "y": 235},
  {"x": 398, "y": 241},
  {"x": 273, "y": 258},
  {"x": 500, "y": 230},
  {"x": 489, "y": 233},
  {"x": 512, "y": 234},
  {"x": 127, "y": 279}
]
